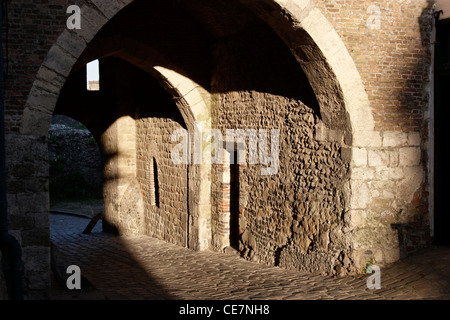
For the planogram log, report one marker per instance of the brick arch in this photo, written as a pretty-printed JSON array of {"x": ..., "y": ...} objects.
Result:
[{"x": 191, "y": 99}]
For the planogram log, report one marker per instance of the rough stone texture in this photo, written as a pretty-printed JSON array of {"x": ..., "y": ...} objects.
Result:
[
  {"x": 74, "y": 150},
  {"x": 28, "y": 207},
  {"x": 349, "y": 102},
  {"x": 120, "y": 174},
  {"x": 296, "y": 218}
]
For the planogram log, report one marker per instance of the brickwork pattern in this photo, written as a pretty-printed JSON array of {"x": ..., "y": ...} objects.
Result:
[
  {"x": 169, "y": 220},
  {"x": 393, "y": 60}
]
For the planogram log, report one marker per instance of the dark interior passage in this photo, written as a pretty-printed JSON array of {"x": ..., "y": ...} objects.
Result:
[
  {"x": 441, "y": 109},
  {"x": 75, "y": 165}
]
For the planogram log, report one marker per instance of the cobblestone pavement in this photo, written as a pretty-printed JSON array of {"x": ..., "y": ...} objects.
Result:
[{"x": 140, "y": 267}]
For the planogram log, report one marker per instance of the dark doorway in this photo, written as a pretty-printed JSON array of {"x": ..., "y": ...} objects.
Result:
[
  {"x": 234, "y": 200},
  {"x": 75, "y": 168},
  {"x": 441, "y": 115}
]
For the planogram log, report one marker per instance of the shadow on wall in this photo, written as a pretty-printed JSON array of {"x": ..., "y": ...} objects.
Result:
[
  {"x": 415, "y": 234},
  {"x": 127, "y": 93},
  {"x": 198, "y": 36},
  {"x": 441, "y": 115}
]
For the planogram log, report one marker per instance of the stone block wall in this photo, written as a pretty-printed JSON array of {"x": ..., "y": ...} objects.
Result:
[
  {"x": 28, "y": 208},
  {"x": 123, "y": 207},
  {"x": 387, "y": 169},
  {"x": 33, "y": 29},
  {"x": 388, "y": 216}
]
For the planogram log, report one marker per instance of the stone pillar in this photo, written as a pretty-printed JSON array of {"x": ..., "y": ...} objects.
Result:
[
  {"x": 119, "y": 147},
  {"x": 386, "y": 180},
  {"x": 28, "y": 208}
]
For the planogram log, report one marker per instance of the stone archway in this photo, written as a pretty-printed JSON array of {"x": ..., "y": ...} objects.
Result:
[
  {"x": 336, "y": 81},
  {"x": 194, "y": 104},
  {"x": 323, "y": 57},
  {"x": 191, "y": 100},
  {"x": 320, "y": 52}
]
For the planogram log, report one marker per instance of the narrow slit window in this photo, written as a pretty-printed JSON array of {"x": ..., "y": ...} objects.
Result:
[
  {"x": 93, "y": 76},
  {"x": 154, "y": 183}
]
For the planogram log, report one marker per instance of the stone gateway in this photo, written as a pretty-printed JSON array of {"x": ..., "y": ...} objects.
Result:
[{"x": 338, "y": 177}]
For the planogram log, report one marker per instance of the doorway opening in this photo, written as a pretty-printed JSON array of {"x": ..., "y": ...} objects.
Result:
[{"x": 75, "y": 167}]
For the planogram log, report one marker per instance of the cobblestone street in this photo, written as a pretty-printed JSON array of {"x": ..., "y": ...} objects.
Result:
[{"x": 140, "y": 267}]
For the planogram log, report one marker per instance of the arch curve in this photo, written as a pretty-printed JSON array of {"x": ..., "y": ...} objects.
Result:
[
  {"x": 67, "y": 54},
  {"x": 326, "y": 62},
  {"x": 315, "y": 44}
]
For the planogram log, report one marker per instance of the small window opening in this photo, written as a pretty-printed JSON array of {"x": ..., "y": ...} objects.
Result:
[
  {"x": 155, "y": 184},
  {"x": 93, "y": 76}
]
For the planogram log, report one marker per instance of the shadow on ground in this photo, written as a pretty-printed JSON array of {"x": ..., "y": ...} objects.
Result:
[{"x": 107, "y": 264}]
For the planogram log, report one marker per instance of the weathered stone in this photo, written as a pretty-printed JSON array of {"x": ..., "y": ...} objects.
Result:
[
  {"x": 359, "y": 157},
  {"x": 37, "y": 120},
  {"x": 413, "y": 179},
  {"x": 395, "y": 139},
  {"x": 59, "y": 61},
  {"x": 378, "y": 158},
  {"x": 410, "y": 156},
  {"x": 110, "y": 8},
  {"x": 386, "y": 173},
  {"x": 361, "y": 195},
  {"x": 350, "y": 128},
  {"x": 362, "y": 173},
  {"x": 72, "y": 43}
]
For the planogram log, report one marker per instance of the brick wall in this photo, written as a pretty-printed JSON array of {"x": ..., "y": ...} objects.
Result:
[
  {"x": 393, "y": 57},
  {"x": 33, "y": 27},
  {"x": 166, "y": 219},
  {"x": 389, "y": 42}
]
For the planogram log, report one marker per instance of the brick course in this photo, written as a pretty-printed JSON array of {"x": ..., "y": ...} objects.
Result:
[{"x": 394, "y": 60}]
